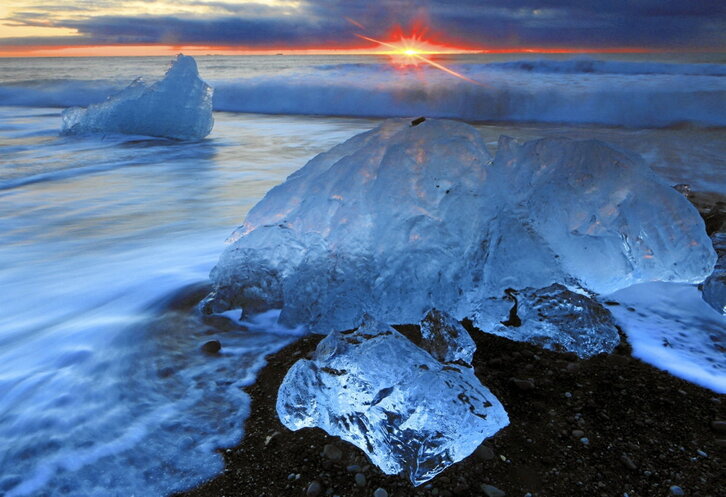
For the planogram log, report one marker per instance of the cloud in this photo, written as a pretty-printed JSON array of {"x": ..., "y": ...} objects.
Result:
[{"x": 579, "y": 23}]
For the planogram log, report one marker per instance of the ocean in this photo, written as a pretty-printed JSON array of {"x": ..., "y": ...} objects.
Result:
[{"x": 106, "y": 241}]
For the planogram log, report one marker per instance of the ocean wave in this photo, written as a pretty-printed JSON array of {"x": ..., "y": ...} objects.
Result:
[
  {"x": 549, "y": 92},
  {"x": 595, "y": 66}
]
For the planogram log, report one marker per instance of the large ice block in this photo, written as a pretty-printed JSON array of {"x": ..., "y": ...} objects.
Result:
[
  {"x": 714, "y": 288},
  {"x": 179, "y": 106},
  {"x": 403, "y": 219},
  {"x": 377, "y": 390}
]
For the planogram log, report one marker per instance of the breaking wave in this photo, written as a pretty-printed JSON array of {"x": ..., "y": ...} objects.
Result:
[{"x": 578, "y": 91}]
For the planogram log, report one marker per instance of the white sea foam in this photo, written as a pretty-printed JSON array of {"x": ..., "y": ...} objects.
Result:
[
  {"x": 671, "y": 327},
  {"x": 642, "y": 94}
]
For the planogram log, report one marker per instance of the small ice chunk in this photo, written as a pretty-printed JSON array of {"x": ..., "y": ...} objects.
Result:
[
  {"x": 445, "y": 339},
  {"x": 554, "y": 318},
  {"x": 377, "y": 390},
  {"x": 714, "y": 288},
  {"x": 179, "y": 107}
]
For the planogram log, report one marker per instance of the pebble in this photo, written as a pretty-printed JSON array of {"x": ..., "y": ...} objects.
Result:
[
  {"x": 492, "y": 491},
  {"x": 314, "y": 489},
  {"x": 701, "y": 453},
  {"x": 212, "y": 347},
  {"x": 628, "y": 462},
  {"x": 523, "y": 385},
  {"x": 585, "y": 441},
  {"x": 719, "y": 426},
  {"x": 484, "y": 453},
  {"x": 676, "y": 490},
  {"x": 360, "y": 479},
  {"x": 380, "y": 492},
  {"x": 353, "y": 468},
  {"x": 578, "y": 433},
  {"x": 332, "y": 452}
]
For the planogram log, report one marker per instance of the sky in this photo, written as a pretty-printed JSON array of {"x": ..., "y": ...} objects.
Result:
[{"x": 161, "y": 27}]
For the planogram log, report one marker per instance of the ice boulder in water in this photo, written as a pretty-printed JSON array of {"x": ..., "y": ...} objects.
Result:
[
  {"x": 714, "y": 288},
  {"x": 402, "y": 219},
  {"x": 377, "y": 390},
  {"x": 179, "y": 106}
]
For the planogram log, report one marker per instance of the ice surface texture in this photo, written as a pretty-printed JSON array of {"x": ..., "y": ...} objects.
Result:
[
  {"x": 714, "y": 288},
  {"x": 402, "y": 219},
  {"x": 377, "y": 390},
  {"x": 554, "y": 318},
  {"x": 179, "y": 106}
]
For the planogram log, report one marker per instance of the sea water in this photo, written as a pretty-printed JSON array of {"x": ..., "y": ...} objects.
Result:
[{"x": 106, "y": 241}]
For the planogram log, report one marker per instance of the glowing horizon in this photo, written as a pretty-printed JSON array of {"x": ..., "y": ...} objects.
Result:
[{"x": 157, "y": 50}]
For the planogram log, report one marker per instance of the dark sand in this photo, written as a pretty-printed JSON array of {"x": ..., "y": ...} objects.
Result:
[{"x": 646, "y": 430}]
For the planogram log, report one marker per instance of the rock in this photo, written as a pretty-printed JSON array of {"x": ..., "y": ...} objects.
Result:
[
  {"x": 523, "y": 385},
  {"x": 314, "y": 489},
  {"x": 272, "y": 438},
  {"x": 353, "y": 468},
  {"x": 492, "y": 491},
  {"x": 360, "y": 480},
  {"x": 380, "y": 492},
  {"x": 627, "y": 462},
  {"x": 212, "y": 347},
  {"x": 578, "y": 433},
  {"x": 719, "y": 426},
  {"x": 484, "y": 453},
  {"x": 332, "y": 452},
  {"x": 676, "y": 490}
]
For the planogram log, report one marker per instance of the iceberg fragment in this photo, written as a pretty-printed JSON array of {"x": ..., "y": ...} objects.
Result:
[
  {"x": 714, "y": 288},
  {"x": 554, "y": 318},
  {"x": 445, "y": 339},
  {"x": 377, "y": 390},
  {"x": 179, "y": 107},
  {"x": 402, "y": 219}
]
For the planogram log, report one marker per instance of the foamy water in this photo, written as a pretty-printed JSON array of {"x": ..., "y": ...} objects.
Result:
[{"x": 106, "y": 243}]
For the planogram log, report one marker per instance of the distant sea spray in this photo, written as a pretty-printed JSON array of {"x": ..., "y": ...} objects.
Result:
[{"x": 576, "y": 91}]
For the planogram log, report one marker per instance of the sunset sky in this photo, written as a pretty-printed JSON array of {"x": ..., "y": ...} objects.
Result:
[{"x": 114, "y": 27}]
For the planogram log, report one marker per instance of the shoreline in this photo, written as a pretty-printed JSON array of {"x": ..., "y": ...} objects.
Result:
[{"x": 606, "y": 426}]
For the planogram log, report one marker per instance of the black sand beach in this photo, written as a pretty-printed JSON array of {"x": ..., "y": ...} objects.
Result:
[{"x": 608, "y": 426}]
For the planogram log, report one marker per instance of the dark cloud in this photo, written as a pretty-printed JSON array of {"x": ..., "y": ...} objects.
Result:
[{"x": 494, "y": 23}]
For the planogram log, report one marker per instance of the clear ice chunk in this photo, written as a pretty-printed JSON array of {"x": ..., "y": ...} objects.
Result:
[
  {"x": 555, "y": 318},
  {"x": 179, "y": 106},
  {"x": 377, "y": 390},
  {"x": 445, "y": 339},
  {"x": 714, "y": 288},
  {"x": 402, "y": 219}
]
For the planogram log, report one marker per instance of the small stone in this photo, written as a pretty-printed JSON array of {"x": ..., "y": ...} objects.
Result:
[
  {"x": 484, "y": 453},
  {"x": 719, "y": 426},
  {"x": 721, "y": 442},
  {"x": 523, "y": 385},
  {"x": 380, "y": 492},
  {"x": 701, "y": 453},
  {"x": 291, "y": 476},
  {"x": 676, "y": 490},
  {"x": 578, "y": 433},
  {"x": 360, "y": 479},
  {"x": 585, "y": 441},
  {"x": 353, "y": 468},
  {"x": 332, "y": 452},
  {"x": 492, "y": 491},
  {"x": 271, "y": 438},
  {"x": 314, "y": 489},
  {"x": 628, "y": 463},
  {"x": 212, "y": 347},
  {"x": 568, "y": 395}
]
